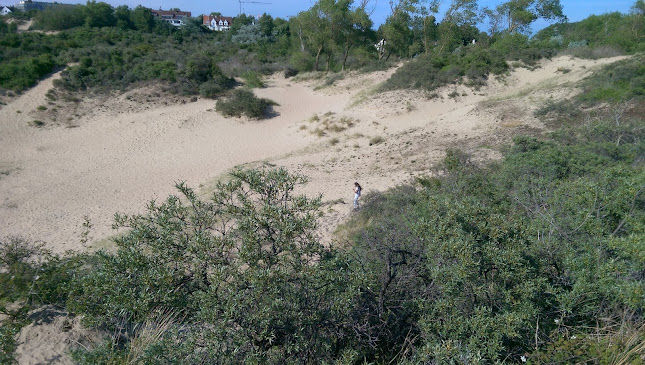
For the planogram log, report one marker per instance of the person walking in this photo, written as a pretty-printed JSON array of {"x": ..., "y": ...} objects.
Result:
[{"x": 357, "y": 194}]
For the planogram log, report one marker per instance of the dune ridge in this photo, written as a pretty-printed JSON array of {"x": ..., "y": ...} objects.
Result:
[{"x": 121, "y": 154}]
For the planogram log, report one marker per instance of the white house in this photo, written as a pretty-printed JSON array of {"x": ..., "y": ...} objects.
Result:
[
  {"x": 176, "y": 18},
  {"x": 218, "y": 23},
  {"x": 5, "y": 10}
]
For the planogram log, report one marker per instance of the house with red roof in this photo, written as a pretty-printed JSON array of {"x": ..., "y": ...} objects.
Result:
[
  {"x": 176, "y": 18},
  {"x": 218, "y": 23}
]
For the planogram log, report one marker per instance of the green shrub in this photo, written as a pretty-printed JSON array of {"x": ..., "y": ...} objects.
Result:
[
  {"x": 211, "y": 89},
  {"x": 492, "y": 258},
  {"x": 30, "y": 276},
  {"x": 616, "y": 30},
  {"x": 455, "y": 160},
  {"x": 252, "y": 79},
  {"x": 238, "y": 268},
  {"x": 244, "y": 102},
  {"x": 617, "y": 82},
  {"x": 23, "y": 72},
  {"x": 302, "y": 61},
  {"x": 59, "y": 17},
  {"x": 430, "y": 71}
]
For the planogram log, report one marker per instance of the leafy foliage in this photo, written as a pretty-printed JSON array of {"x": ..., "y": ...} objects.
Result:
[
  {"x": 242, "y": 268},
  {"x": 431, "y": 71},
  {"x": 244, "y": 102},
  {"x": 485, "y": 255},
  {"x": 618, "y": 82},
  {"x": 622, "y": 32}
]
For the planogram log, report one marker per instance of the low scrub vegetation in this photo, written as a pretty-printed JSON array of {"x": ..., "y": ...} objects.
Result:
[
  {"x": 620, "y": 85},
  {"x": 329, "y": 123},
  {"x": 115, "y": 48},
  {"x": 431, "y": 71},
  {"x": 243, "y": 102},
  {"x": 252, "y": 79},
  {"x": 599, "y": 35}
]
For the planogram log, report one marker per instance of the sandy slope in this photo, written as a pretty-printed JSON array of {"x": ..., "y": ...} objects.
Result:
[
  {"x": 117, "y": 160},
  {"x": 122, "y": 152}
]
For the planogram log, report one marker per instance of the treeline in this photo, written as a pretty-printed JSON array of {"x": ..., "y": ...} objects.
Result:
[
  {"x": 537, "y": 258},
  {"x": 121, "y": 46}
]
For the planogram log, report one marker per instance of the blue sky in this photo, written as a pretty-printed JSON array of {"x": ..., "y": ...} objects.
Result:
[{"x": 575, "y": 9}]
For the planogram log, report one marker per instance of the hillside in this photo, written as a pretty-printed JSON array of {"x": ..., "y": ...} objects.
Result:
[{"x": 121, "y": 151}]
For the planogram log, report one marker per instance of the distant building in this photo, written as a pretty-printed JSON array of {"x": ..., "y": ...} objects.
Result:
[
  {"x": 176, "y": 18},
  {"x": 5, "y": 10},
  {"x": 218, "y": 23},
  {"x": 27, "y": 5}
]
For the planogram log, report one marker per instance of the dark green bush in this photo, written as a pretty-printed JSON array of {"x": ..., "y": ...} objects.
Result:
[
  {"x": 60, "y": 17},
  {"x": 430, "y": 71},
  {"x": 244, "y": 102},
  {"x": 518, "y": 47},
  {"x": 478, "y": 265},
  {"x": 621, "y": 31},
  {"x": 30, "y": 276},
  {"x": 252, "y": 79},
  {"x": 508, "y": 253},
  {"x": 618, "y": 82},
  {"x": 237, "y": 270},
  {"x": 22, "y": 73},
  {"x": 211, "y": 89}
]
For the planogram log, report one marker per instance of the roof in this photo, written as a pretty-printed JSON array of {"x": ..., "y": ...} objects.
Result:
[
  {"x": 170, "y": 13},
  {"x": 209, "y": 18}
]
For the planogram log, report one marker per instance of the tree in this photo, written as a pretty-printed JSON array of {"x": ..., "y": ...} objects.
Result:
[
  {"x": 520, "y": 14},
  {"x": 239, "y": 22},
  {"x": 123, "y": 14},
  {"x": 639, "y": 8},
  {"x": 425, "y": 11},
  {"x": 99, "y": 14},
  {"x": 460, "y": 18},
  {"x": 353, "y": 26},
  {"x": 638, "y": 11},
  {"x": 142, "y": 19},
  {"x": 397, "y": 34},
  {"x": 396, "y": 31},
  {"x": 409, "y": 19},
  {"x": 331, "y": 27},
  {"x": 313, "y": 29},
  {"x": 266, "y": 25}
]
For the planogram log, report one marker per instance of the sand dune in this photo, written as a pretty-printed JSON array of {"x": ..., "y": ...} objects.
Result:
[{"x": 120, "y": 153}]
